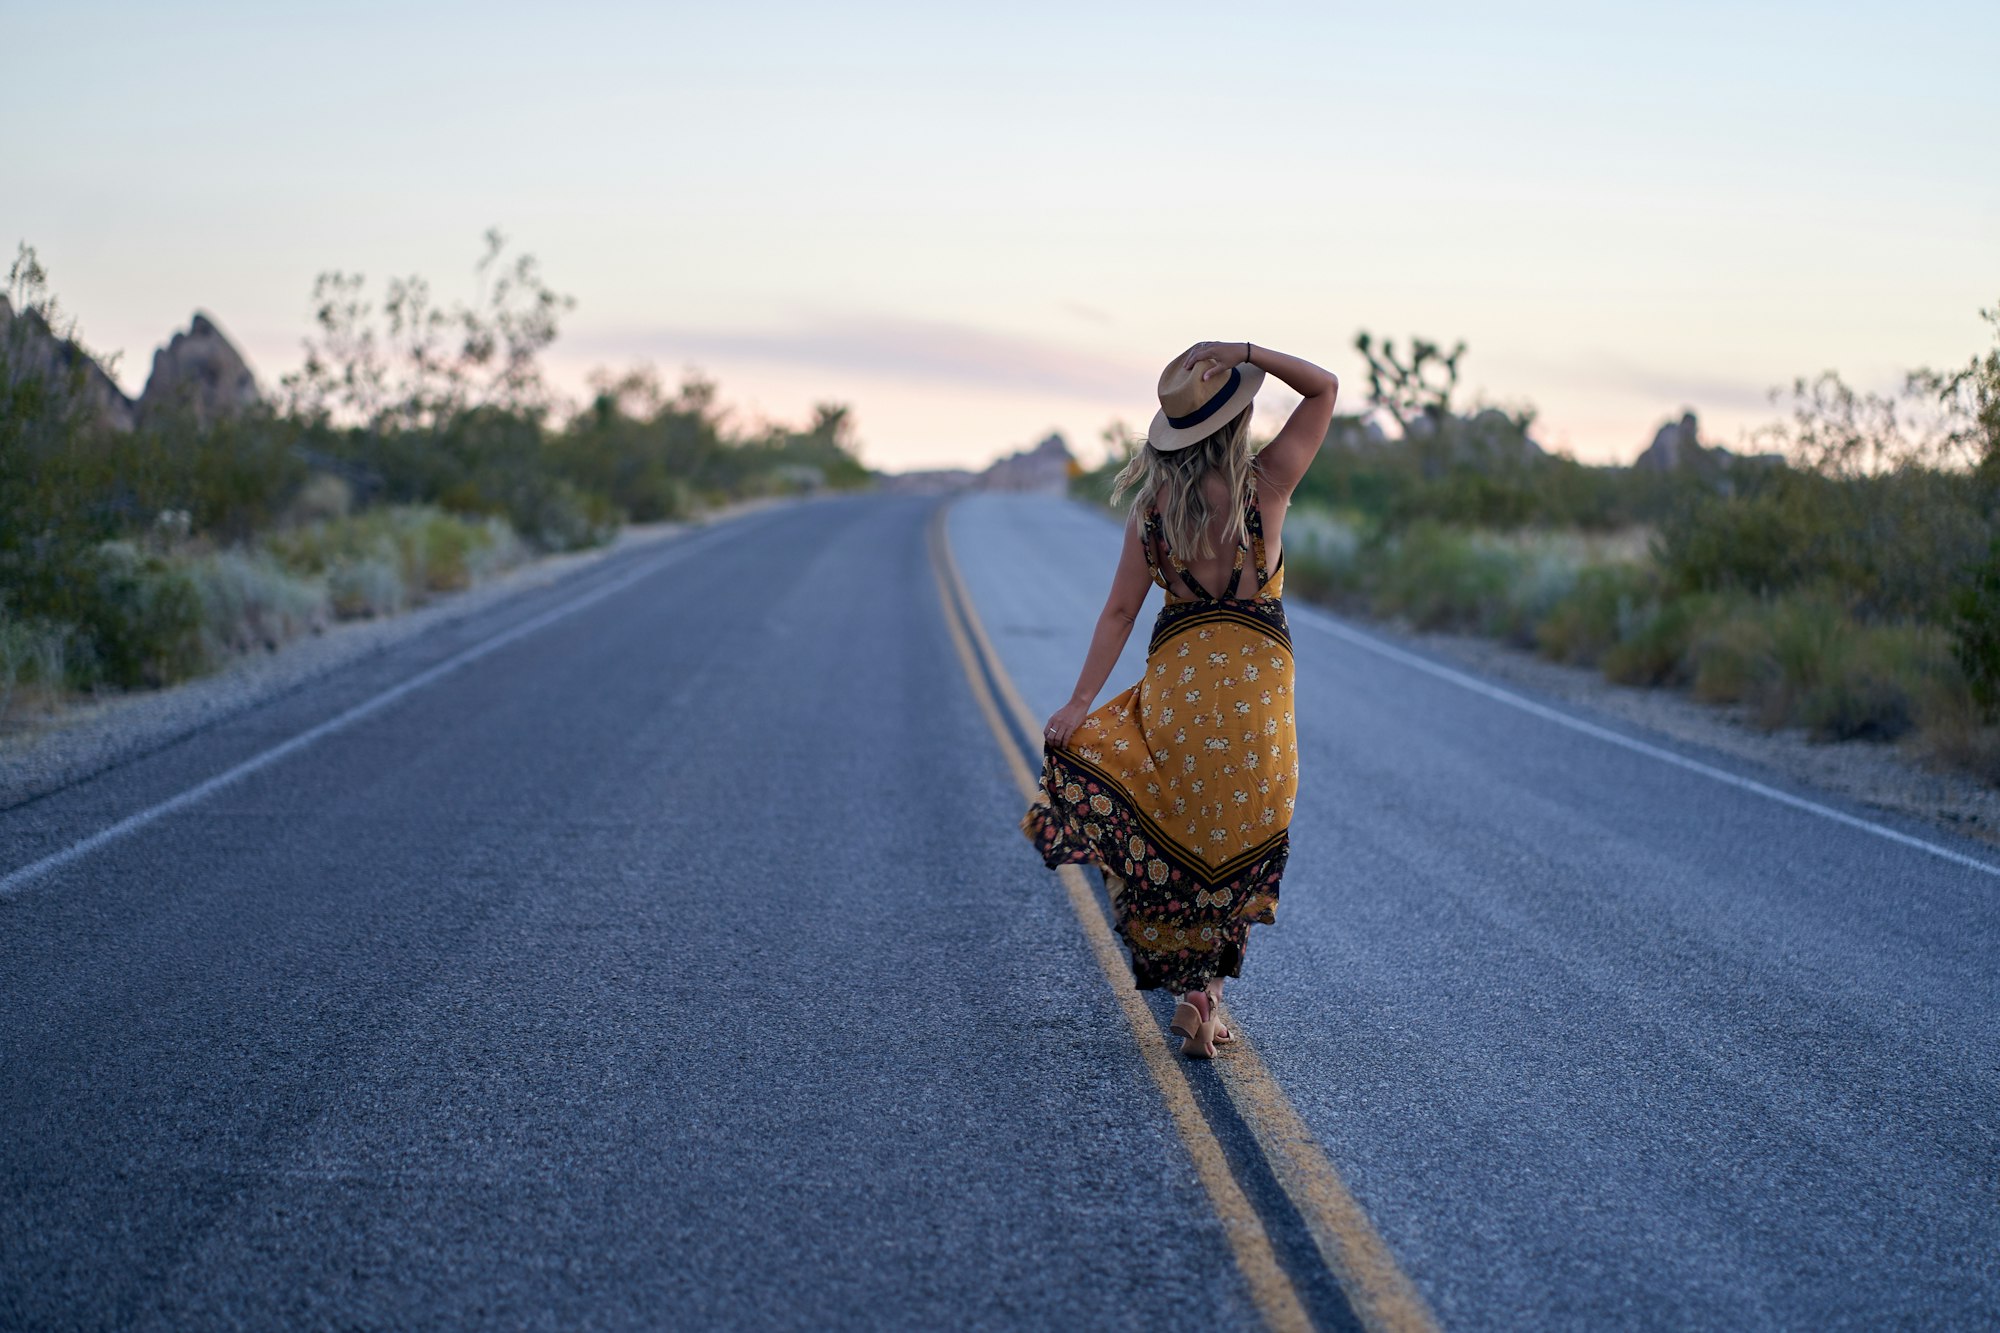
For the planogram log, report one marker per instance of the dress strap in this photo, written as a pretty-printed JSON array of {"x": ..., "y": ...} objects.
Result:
[
  {"x": 1149, "y": 532},
  {"x": 1254, "y": 520}
]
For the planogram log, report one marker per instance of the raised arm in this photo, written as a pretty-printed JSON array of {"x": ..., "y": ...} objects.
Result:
[
  {"x": 1114, "y": 627},
  {"x": 1282, "y": 462}
]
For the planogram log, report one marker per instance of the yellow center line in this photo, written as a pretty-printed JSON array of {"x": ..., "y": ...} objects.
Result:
[{"x": 1382, "y": 1295}]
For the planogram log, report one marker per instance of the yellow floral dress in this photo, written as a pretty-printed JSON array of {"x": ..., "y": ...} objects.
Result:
[{"x": 1182, "y": 787}]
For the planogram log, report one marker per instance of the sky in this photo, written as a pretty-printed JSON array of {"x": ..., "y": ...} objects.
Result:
[{"x": 976, "y": 224}]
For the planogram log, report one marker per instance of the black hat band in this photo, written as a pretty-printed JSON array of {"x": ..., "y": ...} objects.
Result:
[{"x": 1212, "y": 406}]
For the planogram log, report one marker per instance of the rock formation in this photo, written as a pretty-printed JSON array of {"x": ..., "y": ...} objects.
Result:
[
  {"x": 1042, "y": 470},
  {"x": 1491, "y": 435},
  {"x": 1677, "y": 444},
  {"x": 34, "y": 349},
  {"x": 200, "y": 372}
]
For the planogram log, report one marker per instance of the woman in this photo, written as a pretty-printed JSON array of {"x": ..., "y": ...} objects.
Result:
[{"x": 1182, "y": 787}]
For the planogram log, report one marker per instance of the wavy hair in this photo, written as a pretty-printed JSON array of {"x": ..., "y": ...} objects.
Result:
[{"x": 1172, "y": 483}]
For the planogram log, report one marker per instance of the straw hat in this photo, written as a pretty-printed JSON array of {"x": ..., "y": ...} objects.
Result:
[{"x": 1192, "y": 409}]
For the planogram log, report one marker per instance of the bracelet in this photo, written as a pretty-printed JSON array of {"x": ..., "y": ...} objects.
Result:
[{"x": 1248, "y": 350}]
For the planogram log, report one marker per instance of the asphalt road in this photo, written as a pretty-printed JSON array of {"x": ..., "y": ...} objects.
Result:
[{"x": 675, "y": 962}]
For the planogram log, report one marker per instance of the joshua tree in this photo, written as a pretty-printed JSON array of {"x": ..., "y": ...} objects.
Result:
[{"x": 1417, "y": 390}]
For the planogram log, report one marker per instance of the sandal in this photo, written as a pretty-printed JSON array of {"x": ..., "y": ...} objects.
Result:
[{"x": 1194, "y": 1023}]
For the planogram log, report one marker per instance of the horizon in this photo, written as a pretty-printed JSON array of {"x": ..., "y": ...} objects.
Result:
[{"x": 949, "y": 222}]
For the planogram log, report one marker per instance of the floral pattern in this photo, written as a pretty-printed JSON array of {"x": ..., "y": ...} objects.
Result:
[{"x": 1181, "y": 788}]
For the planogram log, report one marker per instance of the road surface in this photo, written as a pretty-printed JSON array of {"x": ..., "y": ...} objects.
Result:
[{"x": 658, "y": 949}]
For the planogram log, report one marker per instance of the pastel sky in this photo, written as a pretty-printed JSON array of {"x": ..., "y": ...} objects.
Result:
[{"x": 977, "y": 223}]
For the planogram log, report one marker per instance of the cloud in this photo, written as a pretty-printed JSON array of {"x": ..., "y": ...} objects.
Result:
[{"x": 892, "y": 348}]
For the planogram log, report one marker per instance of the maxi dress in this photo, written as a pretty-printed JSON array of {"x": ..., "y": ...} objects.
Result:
[{"x": 1181, "y": 788}]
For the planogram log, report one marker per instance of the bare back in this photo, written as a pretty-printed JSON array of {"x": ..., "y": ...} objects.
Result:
[{"x": 1215, "y": 572}]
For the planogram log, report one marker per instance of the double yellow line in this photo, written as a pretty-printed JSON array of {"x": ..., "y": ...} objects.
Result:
[{"x": 1381, "y": 1296}]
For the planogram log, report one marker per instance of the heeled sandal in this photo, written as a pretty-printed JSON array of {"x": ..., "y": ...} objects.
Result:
[{"x": 1195, "y": 1024}]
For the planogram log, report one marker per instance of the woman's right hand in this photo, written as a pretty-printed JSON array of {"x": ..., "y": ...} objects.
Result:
[
  {"x": 1223, "y": 357},
  {"x": 1064, "y": 722}
]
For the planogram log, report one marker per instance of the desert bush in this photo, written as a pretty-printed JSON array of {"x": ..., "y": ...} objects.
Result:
[
  {"x": 1975, "y": 623},
  {"x": 1655, "y": 645},
  {"x": 1731, "y": 658},
  {"x": 250, "y": 602},
  {"x": 142, "y": 619},
  {"x": 323, "y": 496},
  {"x": 1435, "y": 578},
  {"x": 1607, "y": 603},
  {"x": 31, "y": 659},
  {"x": 420, "y": 549},
  {"x": 366, "y": 585},
  {"x": 1805, "y": 661},
  {"x": 1881, "y": 683},
  {"x": 1322, "y": 554},
  {"x": 1893, "y": 544}
]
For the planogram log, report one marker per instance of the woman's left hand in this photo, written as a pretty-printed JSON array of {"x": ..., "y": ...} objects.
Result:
[
  {"x": 1222, "y": 356},
  {"x": 1065, "y": 722}
]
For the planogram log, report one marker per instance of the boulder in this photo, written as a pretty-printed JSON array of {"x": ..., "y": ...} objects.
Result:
[
  {"x": 32, "y": 348},
  {"x": 200, "y": 372},
  {"x": 1677, "y": 444},
  {"x": 1042, "y": 470},
  {"x": 1491, "y": 435}
]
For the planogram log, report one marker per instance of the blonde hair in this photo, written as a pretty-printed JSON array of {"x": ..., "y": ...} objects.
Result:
[{"x": 1172, "y": 483}]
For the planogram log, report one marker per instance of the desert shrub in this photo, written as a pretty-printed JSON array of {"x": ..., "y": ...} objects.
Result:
[
  {"x": 1958, "y": 734},
  {"x": 1656, "y": 645},
  {"x": 1975, "y": 623},
  {"x": 1731, "y": 658},
  {"x": 1805, "y": 635},
  {"x": 1436, "y": 578},
  {"x": 32, "y": 657},
  {"x": 1606, "y": 604},
  {"x": 419, "y": 548},
  {"x": 1878, "y": 684},
  {"x": 250, "y": 602},
  {"x": 1892, "y": 544},
  {"x": 1805, "y": 661},
  {"x": 140, "y": 621},
  {"x": 1322, "y": 554},
  {"x": 366, "y": 585},
  {"x": 322, "y": 497}
]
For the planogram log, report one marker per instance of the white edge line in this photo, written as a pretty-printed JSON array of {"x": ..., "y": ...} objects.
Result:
[
  {"x": 1322, "y": 621},
  {"x": 17, "y": 879}
]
